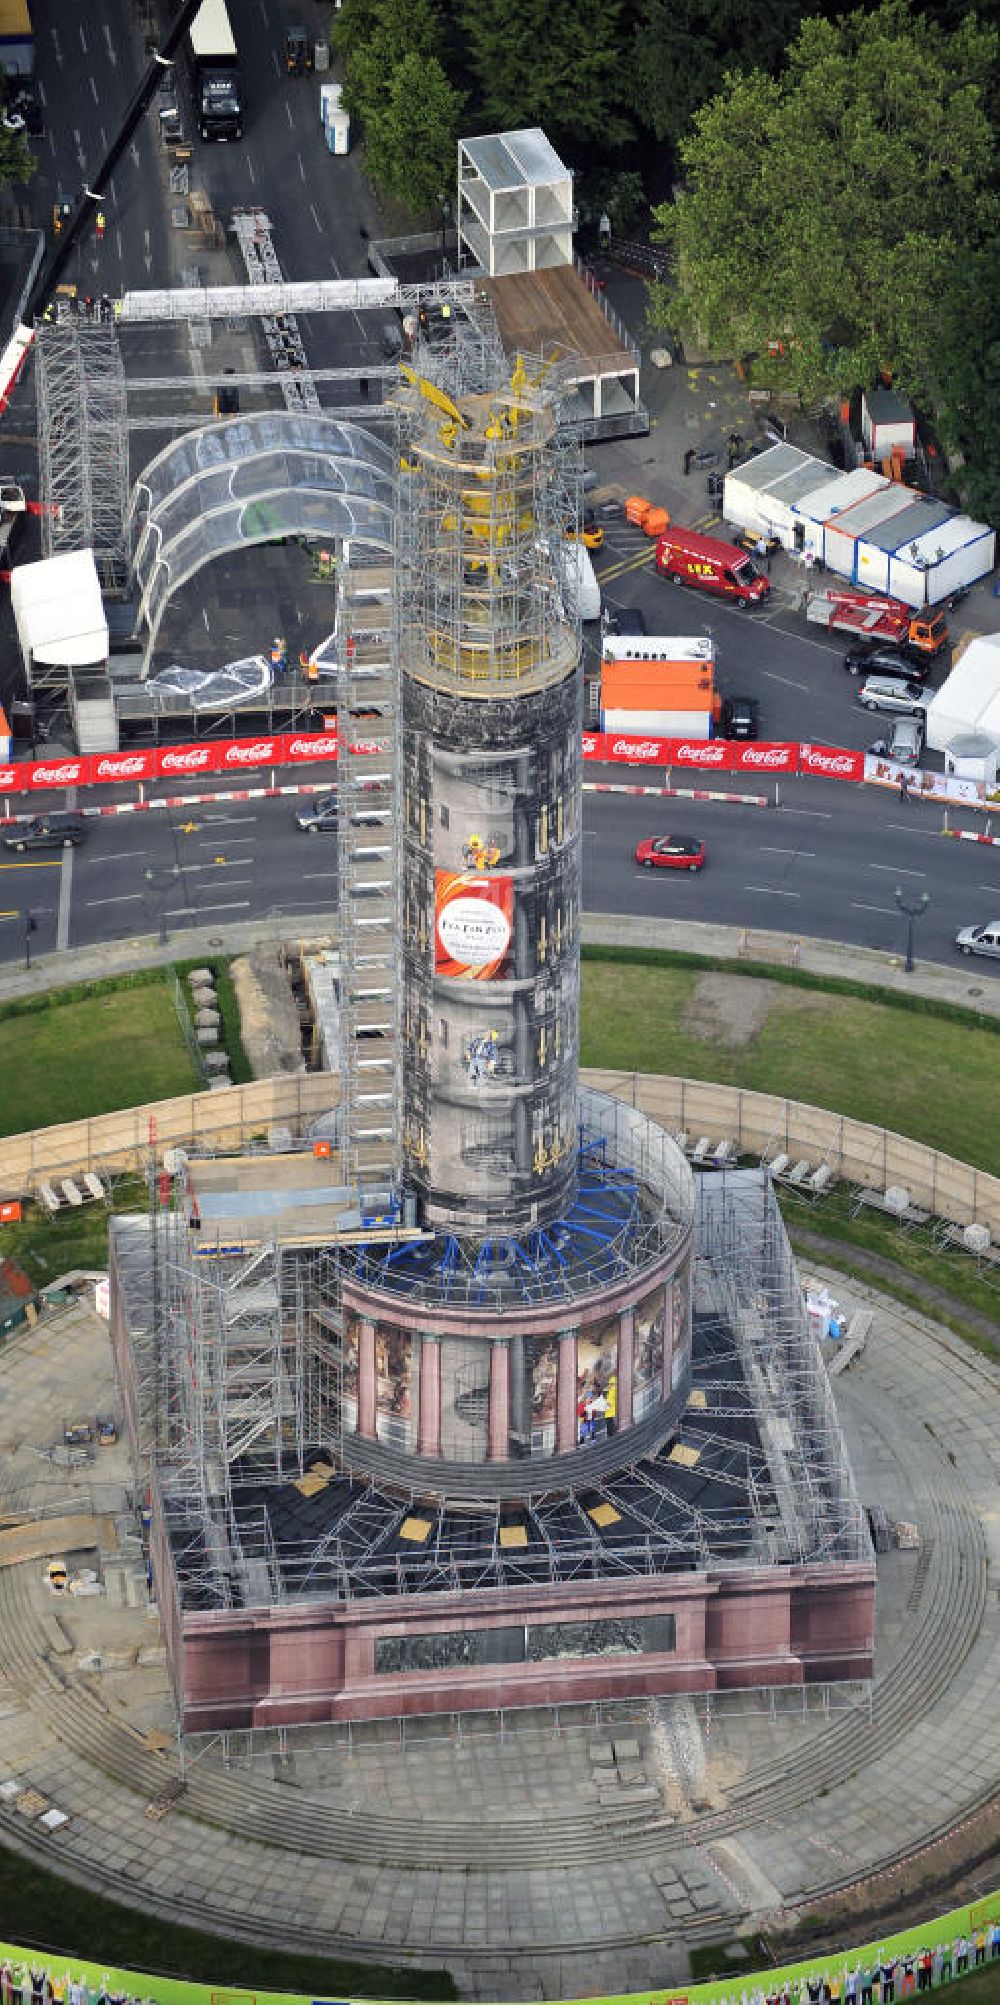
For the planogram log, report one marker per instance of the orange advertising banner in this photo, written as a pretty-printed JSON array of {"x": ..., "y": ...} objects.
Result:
[{"x": 473, "y": 925}]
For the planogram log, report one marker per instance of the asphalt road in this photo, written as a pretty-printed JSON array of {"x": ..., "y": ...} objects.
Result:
[
  {"x": 824, "y": 861},
  {"x": 808, "y": 866}
]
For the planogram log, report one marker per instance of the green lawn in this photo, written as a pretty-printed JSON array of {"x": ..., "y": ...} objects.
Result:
[
  {"x": 922, "y": 1075},
  {"x": 90, "y": 1055}
]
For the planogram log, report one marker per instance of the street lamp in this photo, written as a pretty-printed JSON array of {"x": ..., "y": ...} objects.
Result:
[
  {"x": 30, "y": 926},
  {"x": 160, "y": 882},
  {"x": 914, "y": 906}
]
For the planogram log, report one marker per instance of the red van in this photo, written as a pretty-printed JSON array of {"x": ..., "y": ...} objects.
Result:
[{"x": 690, "y": 559}]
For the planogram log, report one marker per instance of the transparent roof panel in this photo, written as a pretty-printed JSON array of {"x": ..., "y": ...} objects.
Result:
[
  {"x": 508, "y": 160},
  {"x": 250, "y": 481}
]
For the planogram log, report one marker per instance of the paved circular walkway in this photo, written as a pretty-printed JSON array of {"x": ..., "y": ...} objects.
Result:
[{"x": 501, "y": 1859}]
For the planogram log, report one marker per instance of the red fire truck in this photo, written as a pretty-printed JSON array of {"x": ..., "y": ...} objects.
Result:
[{"x": 843, "y": 609}]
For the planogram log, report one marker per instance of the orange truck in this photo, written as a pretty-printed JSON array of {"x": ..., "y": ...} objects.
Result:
[{"x": 661, "y": 684}]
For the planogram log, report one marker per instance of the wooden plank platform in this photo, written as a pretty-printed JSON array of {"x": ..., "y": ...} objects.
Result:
[{"x": 539, "y": 311}]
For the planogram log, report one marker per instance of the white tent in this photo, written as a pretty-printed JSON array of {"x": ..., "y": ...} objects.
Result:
[
  {"x": 968, "y": 701},
  {"x": 59, "y": 612}
]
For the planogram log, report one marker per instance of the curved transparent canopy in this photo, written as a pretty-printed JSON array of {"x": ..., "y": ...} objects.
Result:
[{"x": 249, "y": 480}]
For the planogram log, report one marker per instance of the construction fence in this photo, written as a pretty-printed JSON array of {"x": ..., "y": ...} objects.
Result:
[{"x": 758, "y": 1125}]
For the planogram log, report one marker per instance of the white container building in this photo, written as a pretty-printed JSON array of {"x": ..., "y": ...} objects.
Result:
[
  {"x": 833, "y": 493},
  {"x": 887, "y": 421},
  {"x": 761, "y": 494},
  {"x": 943, "y": 559}
]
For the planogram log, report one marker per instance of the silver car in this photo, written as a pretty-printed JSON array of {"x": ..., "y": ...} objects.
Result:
[
  {"x": 980, "y": 939},
  {"x": 894, "y": 694}
]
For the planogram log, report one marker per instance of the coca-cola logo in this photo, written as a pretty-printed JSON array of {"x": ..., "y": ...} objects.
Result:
[
  {"x": 827, "y": 762},
  {"x": 765, "y": 755},
  {"x": 312, "y": 748},
  {"x": 125, "y": 768},
  {"x": 250, "y": 755},
  {"x": 701, "y": 755},
  {"x": 10, "y": 776},
  {"x": 636, "y": 748},
  {"x": 589, "y": 747},
  {"x": 67, "y": 775},
  {"x": 194, "y": 760}
]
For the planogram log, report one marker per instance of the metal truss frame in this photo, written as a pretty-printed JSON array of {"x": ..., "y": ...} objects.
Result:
[{"x": 82, "y": 424}]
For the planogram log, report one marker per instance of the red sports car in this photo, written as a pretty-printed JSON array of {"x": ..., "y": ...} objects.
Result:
[{"x": 670, "y": 852}]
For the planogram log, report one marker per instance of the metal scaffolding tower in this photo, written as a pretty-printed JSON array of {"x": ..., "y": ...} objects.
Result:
[{"x": 83, "y": 442}]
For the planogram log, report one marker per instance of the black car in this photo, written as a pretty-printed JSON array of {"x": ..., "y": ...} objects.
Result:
[
  {"x": 887, "y": 661},
  {"x": 740, "y": 717},
  {"x": 58, "y": 831}
]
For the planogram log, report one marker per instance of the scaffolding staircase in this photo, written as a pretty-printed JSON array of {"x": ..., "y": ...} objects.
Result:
[{"x": 369, "y": 783}]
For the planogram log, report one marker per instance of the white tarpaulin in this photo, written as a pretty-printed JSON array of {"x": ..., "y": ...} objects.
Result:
[{"x": 59, "y": 612}]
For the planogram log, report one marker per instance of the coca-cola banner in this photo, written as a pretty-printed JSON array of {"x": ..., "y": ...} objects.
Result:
[
  {"x": 831, "y": 762},
  {"x": 236, "y": 755},
  {"x": 720, "y": 755}
]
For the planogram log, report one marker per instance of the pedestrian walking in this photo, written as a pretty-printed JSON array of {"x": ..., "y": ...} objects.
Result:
[
  {"x": 762, "y": 553},
  {"x": 904, "y": 786},
  {"x": 688, "y": 458}
]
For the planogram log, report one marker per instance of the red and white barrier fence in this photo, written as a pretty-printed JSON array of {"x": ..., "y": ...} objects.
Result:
[{"x": 678, "y": 793}]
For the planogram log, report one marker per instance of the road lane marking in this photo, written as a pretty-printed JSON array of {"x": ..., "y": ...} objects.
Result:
[
  {"x": 121, "y": 898},
  {"x": 896, "y": 870},
  {"x": 288, "y": 108},
  {"x": 316, "y": 220},
  {"x": 786, "y": 679},
  {"x": 51, "y": 864},
  {"x": 814, "y": 814},
  {"x": 83, "y": 38},
  {"x": 120, "y": 855},
  {"x": 771, "y": 891},
  {"x": 65, "y": 901},
  {"x": 248, "y": 163},
  {"x": 309, "y": 876},
  {"x": 112, "y": 57},
  {"x": 302, "y": 170},
  {"x": 888, "y": 910},
  {"x": 186, "y": 911},
  {"x": 771, "y": 849}
]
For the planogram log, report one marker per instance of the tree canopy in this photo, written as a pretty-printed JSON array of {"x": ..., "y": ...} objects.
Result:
[
  {"x": 554, "y": 63},
  {"x": 680, "y": 48},
  {"x": 965, "y": 378},
  {"x": 413, "y": 134},
  {"x": 827, "y": 208}
]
